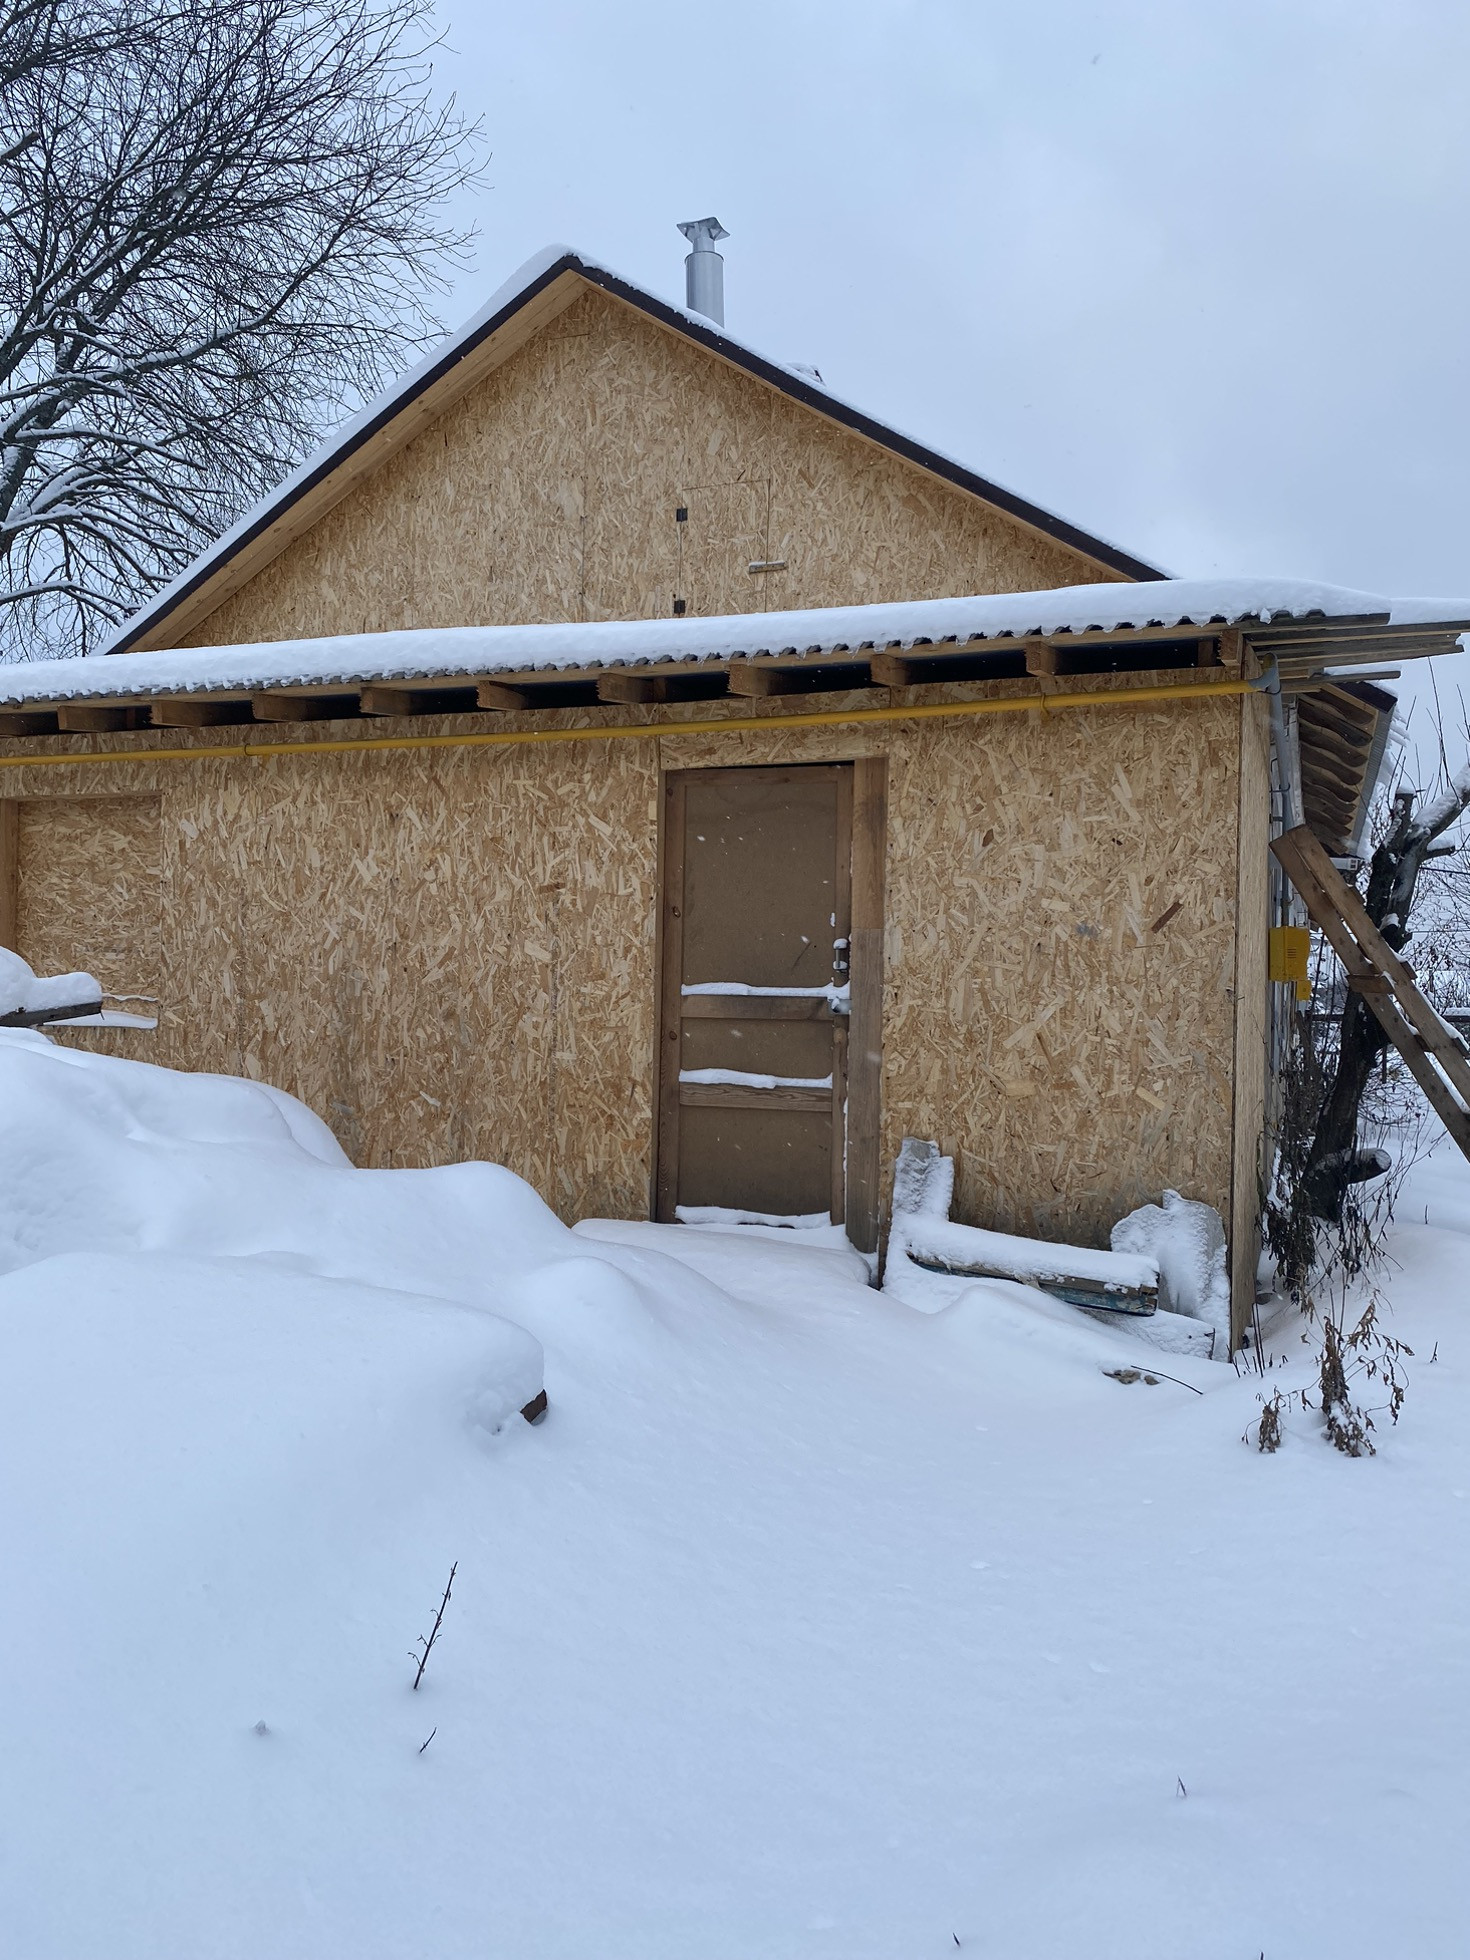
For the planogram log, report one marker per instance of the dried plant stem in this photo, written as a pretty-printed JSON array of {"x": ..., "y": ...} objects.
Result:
[{"x": 426, "y": 1640}]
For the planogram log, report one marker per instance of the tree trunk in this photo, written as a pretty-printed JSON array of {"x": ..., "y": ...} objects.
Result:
[{"x": 1335, "y": 1160}]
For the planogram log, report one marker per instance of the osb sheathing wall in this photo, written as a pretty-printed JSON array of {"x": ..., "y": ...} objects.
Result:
[
  {"x": 549, "y": 492},
  {"x": 451, "y": 954}
]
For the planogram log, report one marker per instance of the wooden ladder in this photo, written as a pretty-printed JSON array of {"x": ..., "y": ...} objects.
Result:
[{"x": 1437, "y": 1057}]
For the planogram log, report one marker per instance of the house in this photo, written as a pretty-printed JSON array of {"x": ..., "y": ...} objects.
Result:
[{"x": 584, "y": 762}]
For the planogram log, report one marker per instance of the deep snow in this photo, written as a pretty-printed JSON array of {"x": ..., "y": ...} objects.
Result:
[{"x": 804, "y": 1625}]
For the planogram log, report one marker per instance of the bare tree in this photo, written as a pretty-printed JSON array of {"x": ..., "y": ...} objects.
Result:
[
  {"x": 1410, "y": 841},
  {"x": 220, "y": 224}
]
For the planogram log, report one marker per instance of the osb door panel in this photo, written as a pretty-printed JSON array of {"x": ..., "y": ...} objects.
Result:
[
  {"x": 720, "y": 534},
  {"x": 757, "y": 924},
  {"x": 89, "y": 898}
]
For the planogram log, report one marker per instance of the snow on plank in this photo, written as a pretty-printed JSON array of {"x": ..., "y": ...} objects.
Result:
[{"x": 1110, "y": 1282}]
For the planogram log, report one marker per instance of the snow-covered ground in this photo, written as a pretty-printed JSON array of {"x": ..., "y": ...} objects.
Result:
[{"x": 804, "y": 1625}]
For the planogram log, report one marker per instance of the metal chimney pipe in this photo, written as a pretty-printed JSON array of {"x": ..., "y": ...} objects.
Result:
[{"x": 704, "y": 269}]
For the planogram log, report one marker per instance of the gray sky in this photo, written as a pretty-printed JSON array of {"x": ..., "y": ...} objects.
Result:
[{"x": 1191, "y": 274}]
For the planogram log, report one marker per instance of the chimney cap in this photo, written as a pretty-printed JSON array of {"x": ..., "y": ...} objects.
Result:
[{"x": 704, "y": 233}]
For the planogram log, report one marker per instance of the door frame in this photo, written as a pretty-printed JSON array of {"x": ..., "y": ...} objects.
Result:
[{"x": 867, "y": 824}]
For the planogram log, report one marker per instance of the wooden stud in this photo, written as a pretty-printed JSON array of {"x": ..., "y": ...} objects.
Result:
[
  {"x": 865, "y": 1026},
  {"x": 749, "y": 679},
  {"x": 671, "y": 999},
  {"x": 842, "y": 929},
  {"x": 84, "y": 718},
  {"x": 891, "y": 669},
  {"x": 302, "y": 707},
  {"x": 379, "y": 700},
  {"x": 1041, "y": 657},
  {"x": 1249, "y": 1010},
  {"x": 197, "y": 714},
  {"x": 1232, "y": 648},
  {"x": 390, "y": 700},
  {"x": 508, "y": 700},
  {"x": 619, "y": 686},
  {"x": 9, "y": 872}
]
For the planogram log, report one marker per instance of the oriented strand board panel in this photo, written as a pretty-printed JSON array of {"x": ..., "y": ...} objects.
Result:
[
  {"x": 451, "y": 954},
  {"x": 447, "y": 956},
  {"x": 550, "y": 492},
  {"x": 90, "y": 899},
  {"x": 1252, "y": 1010},
  {"x": 1060, "y": 952}
]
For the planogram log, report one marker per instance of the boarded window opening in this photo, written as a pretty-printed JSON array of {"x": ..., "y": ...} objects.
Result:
[{"x": 88, "y": 891}]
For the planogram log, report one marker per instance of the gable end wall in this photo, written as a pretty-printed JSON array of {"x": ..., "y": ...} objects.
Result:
[{"x": 549, "y": 493}]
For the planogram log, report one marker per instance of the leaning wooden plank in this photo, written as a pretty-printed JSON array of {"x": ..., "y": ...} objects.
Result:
[
  {"x": 40, "y": 1017},
  {"x": 1111, "y": 1282},
  {"x": 1451, "y": 1111},
  {"x": 1317, "y": 878}
]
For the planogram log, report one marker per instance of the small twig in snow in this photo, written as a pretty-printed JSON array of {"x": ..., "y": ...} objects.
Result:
[
  {"x": 1175, "y": 1379},
  {"x": 429, "y": 1737},
  {"x": 426, "y": 1640}
]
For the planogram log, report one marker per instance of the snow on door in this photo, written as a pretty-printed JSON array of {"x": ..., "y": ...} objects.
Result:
[{"x": 753, "y": 1037}]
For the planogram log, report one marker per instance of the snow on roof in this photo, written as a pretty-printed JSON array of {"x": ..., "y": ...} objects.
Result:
[
  {"x": 429, "y": 654},
  {"x": 539, "y": 270}
]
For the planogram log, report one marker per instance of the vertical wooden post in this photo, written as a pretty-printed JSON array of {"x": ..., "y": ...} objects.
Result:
[
  {"x": 1248, "y": 1062},
  {"x": 865, "y": 1033},
  {"x": 842, "y": 925},
  {"x": 670, "y": 995},
  {"x": 9, "y": 873}
]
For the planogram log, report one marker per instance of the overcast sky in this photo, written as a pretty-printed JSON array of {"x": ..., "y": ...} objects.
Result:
[{"x": 1190, "y": 274}]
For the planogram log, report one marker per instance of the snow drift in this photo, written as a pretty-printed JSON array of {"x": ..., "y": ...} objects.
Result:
[
  {"x": 107, "y": 1156},
  {"x": 805, "y": 1625}
]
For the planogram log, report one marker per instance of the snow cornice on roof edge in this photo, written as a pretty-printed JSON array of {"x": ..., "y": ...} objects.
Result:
[
  {"x": 1262, "y": 608},
  {"x": 534, "y": 278}
]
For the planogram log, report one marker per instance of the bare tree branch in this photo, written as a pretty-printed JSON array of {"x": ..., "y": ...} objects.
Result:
[{"x": 218, "y": 230}]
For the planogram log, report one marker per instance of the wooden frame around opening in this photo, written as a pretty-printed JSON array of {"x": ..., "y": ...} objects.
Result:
[
  {"x": 860, "y": 1169},
  {"x": 9, "y": 873}
]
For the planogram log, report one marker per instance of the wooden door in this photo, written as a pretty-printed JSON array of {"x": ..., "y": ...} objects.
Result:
[{"x": 754, "y": 1092}]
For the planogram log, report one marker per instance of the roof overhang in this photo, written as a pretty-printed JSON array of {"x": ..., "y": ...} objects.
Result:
[
  {"x": 1305, "y": 628},
  {"x": 1313, "y": 636},
  {"x": 1343, "y": 727}
]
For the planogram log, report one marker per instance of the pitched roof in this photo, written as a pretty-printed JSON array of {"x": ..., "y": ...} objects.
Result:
[{"x": 541, "y": 289}]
